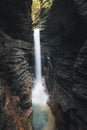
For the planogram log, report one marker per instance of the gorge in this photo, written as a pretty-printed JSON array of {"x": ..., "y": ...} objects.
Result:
[{"x": 64, "y": 63}]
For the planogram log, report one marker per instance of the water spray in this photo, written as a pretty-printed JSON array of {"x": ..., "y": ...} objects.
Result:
[{"x": 43, "y": 119}]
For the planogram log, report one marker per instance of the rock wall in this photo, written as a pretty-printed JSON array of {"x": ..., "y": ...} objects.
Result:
[
  {"x": 66, "y": 31},
  {"x": 15, "y": 18},
  {"x": 15, "y": 61}
]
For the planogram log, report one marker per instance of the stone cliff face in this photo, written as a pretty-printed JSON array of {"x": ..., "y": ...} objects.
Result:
[
  {"x": 15, "y": 18},
  {"x": 66, "y": 31},
  {"x": 15, "y": 70}
]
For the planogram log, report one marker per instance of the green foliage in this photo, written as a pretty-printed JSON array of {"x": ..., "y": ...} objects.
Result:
[
  {"x": 35, "y": 8},
  {"x": 48, "y": 4},
  {"x": 37, "y": 5}
]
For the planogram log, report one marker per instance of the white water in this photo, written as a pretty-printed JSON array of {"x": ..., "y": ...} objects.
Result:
[
  {"x": 37, "y": 54},
  {"x": 43, "y": 119},
  {"x": 39, "y": 96}
]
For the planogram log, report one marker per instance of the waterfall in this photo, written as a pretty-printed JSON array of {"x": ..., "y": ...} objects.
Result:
[
  {"x": 37, "y": 54},
  {"x": 43, "y": 119},
  {"x": 39, "y": 95}
]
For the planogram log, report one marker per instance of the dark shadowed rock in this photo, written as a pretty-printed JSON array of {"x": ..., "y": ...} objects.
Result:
[
  {"x": 16, "y": 84},
  {"x": 66, "y": 31},
  {"x": 15, "y": 18},
  {"x": 15, "y": 70}
]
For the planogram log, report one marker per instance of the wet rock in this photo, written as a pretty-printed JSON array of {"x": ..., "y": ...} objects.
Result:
[{"x": 66, "y": 80}]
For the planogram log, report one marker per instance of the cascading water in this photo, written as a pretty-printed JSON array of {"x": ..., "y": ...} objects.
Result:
[
  {"x": 39, "y": 86},
  {"x": 43, "y": 118}
]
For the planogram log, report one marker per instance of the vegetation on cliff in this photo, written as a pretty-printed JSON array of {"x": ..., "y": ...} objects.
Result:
[{"x": 37, "y": 5}]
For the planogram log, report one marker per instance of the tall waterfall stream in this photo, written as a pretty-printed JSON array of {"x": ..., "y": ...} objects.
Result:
[{"x": 43, "y": 119}]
